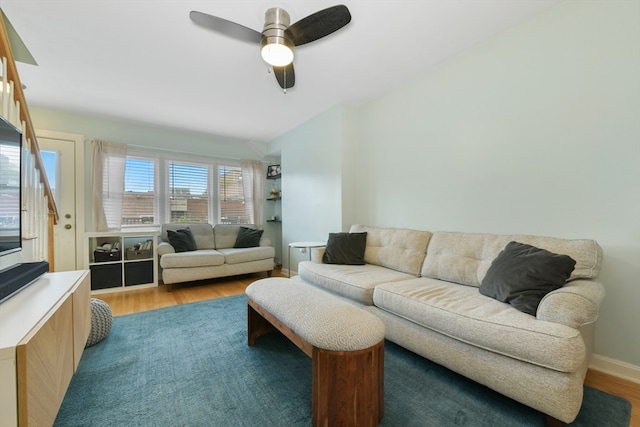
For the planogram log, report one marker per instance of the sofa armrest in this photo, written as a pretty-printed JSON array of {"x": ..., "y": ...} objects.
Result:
[
  {"x": 165, "y": 248},
  {"x": 264, "y": 241},
  {"x": 317, "y": 254},
  {"x": 575, "y": 304}
]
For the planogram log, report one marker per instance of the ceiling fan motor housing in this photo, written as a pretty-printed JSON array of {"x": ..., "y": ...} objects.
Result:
[{"x": 273, "y": 35}]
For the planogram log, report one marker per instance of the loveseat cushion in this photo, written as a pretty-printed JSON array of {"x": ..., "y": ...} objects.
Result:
[
  {"x": 248, "y": 238},
  {"x": 182, "y": 240},
  {"x": 199, "y": 258},
  {"x": 202, "y": 234},
  {"x": 353, "y": 281},
  {"x": 227, "y": 234},
  {"x": 240, "y": 255},
  {"x": 397, "y": 248},
  {"x": 465, "y": 257},
  {"x": 462, "y": 313}
]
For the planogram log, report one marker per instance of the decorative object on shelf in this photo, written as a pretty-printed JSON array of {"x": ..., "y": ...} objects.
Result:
[
  {"x": 142, "y": 250},
  {"x": 273, "y": 171},
  {"x": 275, "y": 193},
  {"x": 107, "y": 252}
]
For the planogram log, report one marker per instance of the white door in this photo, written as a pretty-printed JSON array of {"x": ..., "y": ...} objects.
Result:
[{"x": 60, "y": 156}]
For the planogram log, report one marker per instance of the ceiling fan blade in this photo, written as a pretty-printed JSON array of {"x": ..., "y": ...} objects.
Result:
[
  {"x": 318, "y": 25},
  {"x": 285, "y": 75},
  {"x": 225, "y": 27}
]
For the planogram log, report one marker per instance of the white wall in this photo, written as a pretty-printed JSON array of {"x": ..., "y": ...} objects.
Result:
[
  {"x": 145, "y": 135},
  {"x": 536, "y": 132},
  {"x": 312, "y": 158}
]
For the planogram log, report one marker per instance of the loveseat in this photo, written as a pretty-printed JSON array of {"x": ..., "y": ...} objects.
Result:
[
  {"x": 215, "y": 251},
  {"x": 426, "y": 288}
]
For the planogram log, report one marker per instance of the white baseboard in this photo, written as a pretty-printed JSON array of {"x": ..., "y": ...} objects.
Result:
[{"x": 615, "y": 367}]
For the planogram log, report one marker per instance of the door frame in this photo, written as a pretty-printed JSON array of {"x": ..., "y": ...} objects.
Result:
[{"x": 79, "y": 176}]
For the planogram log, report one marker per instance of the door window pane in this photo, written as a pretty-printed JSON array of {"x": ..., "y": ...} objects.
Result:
[{"x": 50, "y": 160}]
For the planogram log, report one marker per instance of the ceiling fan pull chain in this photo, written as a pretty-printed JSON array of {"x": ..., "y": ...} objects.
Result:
[{"x": 284, "y": 89}]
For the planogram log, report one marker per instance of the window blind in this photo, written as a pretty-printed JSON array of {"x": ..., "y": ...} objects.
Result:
[
  {"x": 231, "y": 196},
  {"x": 188, "y": 192},
  {"x": 140, "y": 200}
]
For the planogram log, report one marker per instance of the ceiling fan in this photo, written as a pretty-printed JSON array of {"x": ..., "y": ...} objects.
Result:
[{"x": 278, "y": 39}]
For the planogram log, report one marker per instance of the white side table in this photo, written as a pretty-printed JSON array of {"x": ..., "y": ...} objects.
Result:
[{"x": 307, "y": 245}]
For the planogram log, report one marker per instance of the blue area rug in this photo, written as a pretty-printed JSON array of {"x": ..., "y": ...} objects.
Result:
[{"x": 190, "y": 365}]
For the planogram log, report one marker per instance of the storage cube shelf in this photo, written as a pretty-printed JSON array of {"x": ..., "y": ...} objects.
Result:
[{"x": 121, "y": 260}]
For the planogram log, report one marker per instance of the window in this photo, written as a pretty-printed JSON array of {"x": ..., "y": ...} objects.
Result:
[
  {"x": 10, "y": 204},
  {"x": 140, "y": 201},
  {"x": 188, "y": 192},
  {"x": 164, "y": 188},
  {"x": 232, "y": 209}
]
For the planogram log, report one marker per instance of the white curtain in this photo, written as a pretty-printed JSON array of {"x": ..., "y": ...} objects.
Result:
[
  {"x": 107, "y": 184},
  {"x": 253, "y": 189}
]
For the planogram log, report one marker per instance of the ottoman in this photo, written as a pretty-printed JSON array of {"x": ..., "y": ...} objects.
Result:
[
  {"x": 345, "y": 343},
  {"x": 101, "y": 321}
]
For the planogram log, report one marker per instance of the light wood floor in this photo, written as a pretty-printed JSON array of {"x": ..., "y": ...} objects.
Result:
[{"x": 134, "y": 301}]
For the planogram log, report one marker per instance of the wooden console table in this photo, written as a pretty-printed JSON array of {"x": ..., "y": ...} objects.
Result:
[{"x": 43, "y": 331}]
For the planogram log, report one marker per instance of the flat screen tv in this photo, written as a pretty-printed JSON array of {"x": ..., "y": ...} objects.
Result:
[{"x": 10, "y": 188}]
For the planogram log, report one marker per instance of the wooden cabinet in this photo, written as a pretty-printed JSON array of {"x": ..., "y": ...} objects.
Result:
[{"x": 43, "y": 331}]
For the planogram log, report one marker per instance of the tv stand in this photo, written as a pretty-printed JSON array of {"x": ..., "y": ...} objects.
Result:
[{"x": 43, "y": 331}]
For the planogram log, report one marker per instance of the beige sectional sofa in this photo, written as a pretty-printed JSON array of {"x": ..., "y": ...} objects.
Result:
[
  {"x": 425, "y": 288},
  {"x": 215, "y": 255}
]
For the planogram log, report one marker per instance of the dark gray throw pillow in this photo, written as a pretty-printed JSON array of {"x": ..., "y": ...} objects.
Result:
[
  {"x": 182, "y": 240},
  {"x": 345, "y": 248},
  {"x": 522, "y": 275},
  {"x": 248, "y": 238}
]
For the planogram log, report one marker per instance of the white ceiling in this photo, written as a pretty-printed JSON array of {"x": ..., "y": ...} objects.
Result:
[{"x": 145, "y": 61}]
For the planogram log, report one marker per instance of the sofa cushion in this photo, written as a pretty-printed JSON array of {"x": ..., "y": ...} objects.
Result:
[
  {"x": 202, "y": 234},
  {"x": 248, "y": 238},
  {"x": 462, "y": 313},
  {"x": 397, "y": 248},
  {"x": 182, "y": 240},
  {"x": 465, "y": 257},
  {"x": 240, "y": 255},
  {"x": 345, "y": 248},
  {"x": 226, "y": 234},
  {"x": 199, "y": 258},
  {"x": 522, "y": 275},
  {"x": 353, "y": 281}
]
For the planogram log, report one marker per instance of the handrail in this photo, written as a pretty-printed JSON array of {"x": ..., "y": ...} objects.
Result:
[{"x": 12, "y": 74}]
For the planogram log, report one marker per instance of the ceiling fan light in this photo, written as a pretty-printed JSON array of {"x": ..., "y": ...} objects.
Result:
[
  {"x": 276, "y": 48},
  {"x": 277, "y": 54}
]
